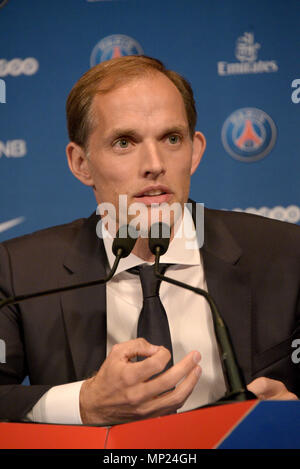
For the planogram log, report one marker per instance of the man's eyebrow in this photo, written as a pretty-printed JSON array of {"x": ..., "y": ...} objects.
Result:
[
  {"x": 121, "y": 132},
  {"x": 183, "y": 129}
]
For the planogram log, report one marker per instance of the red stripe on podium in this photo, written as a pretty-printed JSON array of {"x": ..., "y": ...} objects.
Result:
[
  {"x": 203, "y": 429},
  {"x": 40, "y": 436}
]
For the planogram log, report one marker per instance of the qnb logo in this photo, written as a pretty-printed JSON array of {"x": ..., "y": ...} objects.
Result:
[
  {"x": 13, "y": 148},
  {"x": 2, "y": 92},
  {"x": 16, "y": 67},
  {"x": 2, "y": 351},
  {"x": 296, "y": 93},
  {"x": 290, "y": 214}
]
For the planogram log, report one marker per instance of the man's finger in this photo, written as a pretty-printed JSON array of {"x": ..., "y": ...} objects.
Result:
[
  {"x": 184, "y": 389},
  {"x": 173, "y": 375},
  {"x": 167, "y": 380},
  {"x": 139, "y": 372},
  {"x": 173, "y": 400},
  {"x": 267, "y": 388},
  {"x": 132, "y": 348}
]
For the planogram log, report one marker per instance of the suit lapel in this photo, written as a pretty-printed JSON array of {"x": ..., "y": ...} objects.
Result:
[
  {"x": 228, "y": 283},
  {"x": 84, "y": 310}
]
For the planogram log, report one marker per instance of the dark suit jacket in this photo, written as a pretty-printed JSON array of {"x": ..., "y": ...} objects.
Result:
[{"x": 252, "y": 268}]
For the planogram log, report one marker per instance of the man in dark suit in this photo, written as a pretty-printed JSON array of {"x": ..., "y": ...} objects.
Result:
[{"x": 132, "y": 132}]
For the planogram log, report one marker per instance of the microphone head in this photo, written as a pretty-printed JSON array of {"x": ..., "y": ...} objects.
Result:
[
  {"x": 125, "y": 240},
  {"x": 159, "y": 236}
]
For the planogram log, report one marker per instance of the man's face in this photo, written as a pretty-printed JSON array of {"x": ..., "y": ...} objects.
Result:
[{"x": 141, "y": 145}]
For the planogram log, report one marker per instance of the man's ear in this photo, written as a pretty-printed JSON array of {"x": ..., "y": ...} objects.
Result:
[
  {"x": 79, "y": 163},
  {"x": 199, "y": 145}
]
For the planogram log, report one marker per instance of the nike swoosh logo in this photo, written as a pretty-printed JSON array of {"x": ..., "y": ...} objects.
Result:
[{"x": 6, "y": 225}]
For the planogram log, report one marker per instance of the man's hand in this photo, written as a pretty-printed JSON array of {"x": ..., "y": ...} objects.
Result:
[
  {"x": 122, "y": 390},
  {"x": 270, "y": 389}
]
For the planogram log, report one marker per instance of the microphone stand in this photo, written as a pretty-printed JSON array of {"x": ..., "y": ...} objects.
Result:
[
  {"x": 16, "y": 299},
  {"x": 236, "y": 389},
  {"x": 121, "y": 248}
]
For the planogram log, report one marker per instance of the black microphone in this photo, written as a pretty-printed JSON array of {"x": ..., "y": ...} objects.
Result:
[
  {"x": 236, "y": 388},
  {"x": 159, "y": 238},
  {"x": 122, "y": 246}
]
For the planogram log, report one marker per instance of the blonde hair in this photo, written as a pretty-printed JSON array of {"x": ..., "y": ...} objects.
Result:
[{"x": 109, "y": 75}]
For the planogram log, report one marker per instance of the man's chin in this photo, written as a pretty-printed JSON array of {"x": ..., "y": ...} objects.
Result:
[{"x": 168, "y": 214}]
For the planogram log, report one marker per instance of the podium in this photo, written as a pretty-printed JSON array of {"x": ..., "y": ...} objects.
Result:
[{"x": 248, "y": 425}]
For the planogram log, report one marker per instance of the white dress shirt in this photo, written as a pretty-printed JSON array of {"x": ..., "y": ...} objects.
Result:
[{"x": 190, "y": 322}]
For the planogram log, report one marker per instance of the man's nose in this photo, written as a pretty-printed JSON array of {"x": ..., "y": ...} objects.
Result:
[{"x": 152, "y": 160}]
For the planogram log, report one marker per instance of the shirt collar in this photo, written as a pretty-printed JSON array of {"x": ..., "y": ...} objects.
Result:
[{"x": 182, "y": 250}]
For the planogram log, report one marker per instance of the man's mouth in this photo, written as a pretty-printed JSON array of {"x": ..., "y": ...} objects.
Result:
[{"x": 154, "y": 195}]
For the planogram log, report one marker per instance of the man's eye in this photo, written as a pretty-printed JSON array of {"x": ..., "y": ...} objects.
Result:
[
  {"x": 173, "y": 139},
  {"x": 122, "y": 143}
]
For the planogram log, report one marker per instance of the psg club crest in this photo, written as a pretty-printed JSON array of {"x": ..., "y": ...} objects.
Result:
[
  {"x": 248, "y": 134},
  {"x": 116, "y": 45}
]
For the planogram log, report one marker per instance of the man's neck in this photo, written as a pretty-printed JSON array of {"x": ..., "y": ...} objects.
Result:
[{"x": 141, "y": 248}]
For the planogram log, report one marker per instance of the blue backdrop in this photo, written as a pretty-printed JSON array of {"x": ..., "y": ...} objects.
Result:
[{"x": 242, "y": 59}]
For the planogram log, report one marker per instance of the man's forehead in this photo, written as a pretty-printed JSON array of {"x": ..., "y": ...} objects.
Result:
[
  {"x": 146, "y": 96},
  {"x": 154, "y": 83},
  {"x": 110, "y": 84}
]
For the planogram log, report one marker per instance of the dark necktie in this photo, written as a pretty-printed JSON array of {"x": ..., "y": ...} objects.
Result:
[{"x": 153, "y": 323}]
